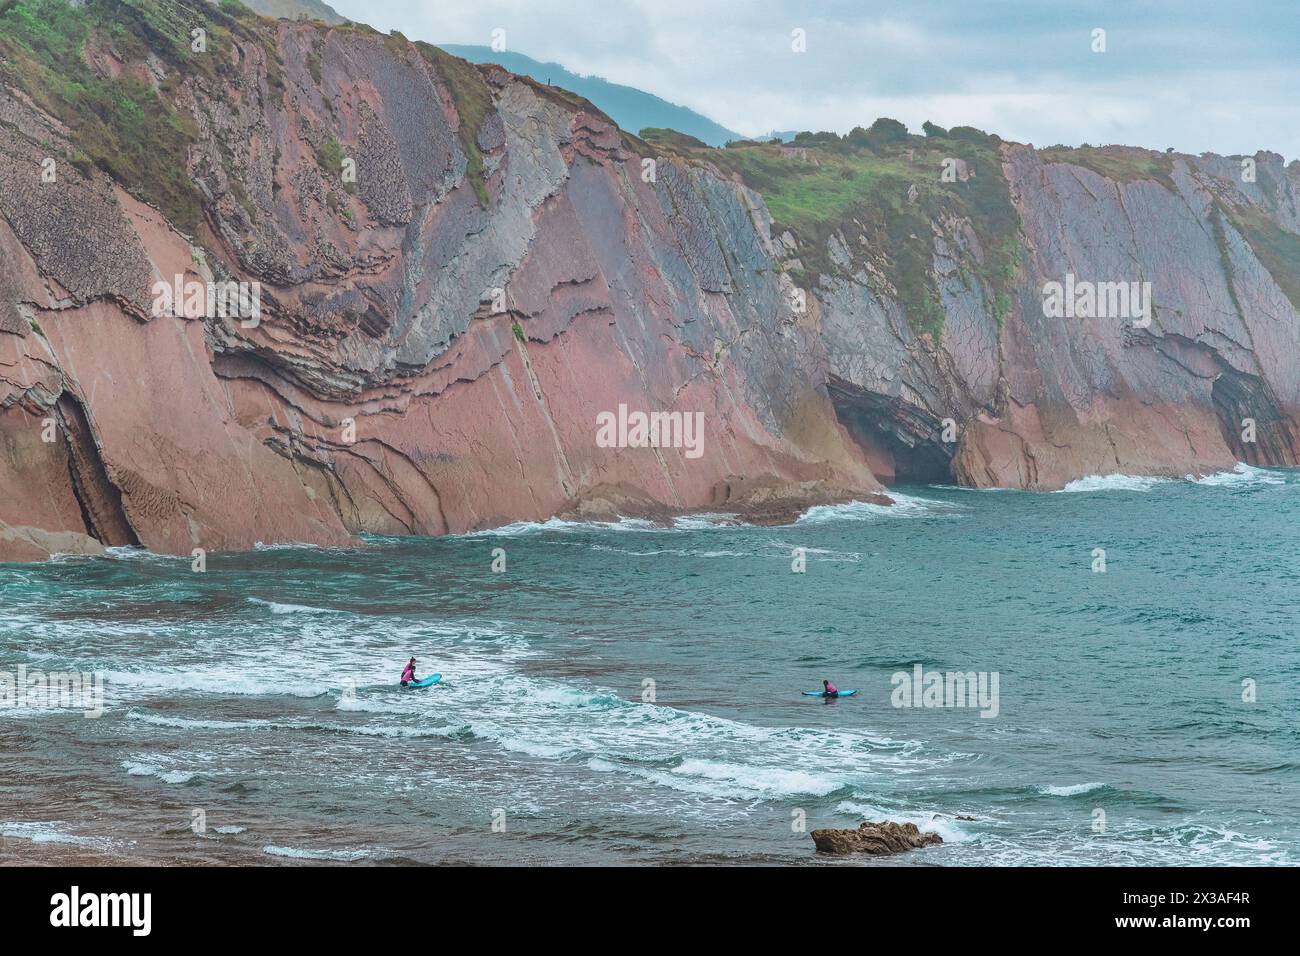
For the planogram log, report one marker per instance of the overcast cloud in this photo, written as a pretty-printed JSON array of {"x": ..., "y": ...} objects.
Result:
[{"x": 1184, "y": 73}]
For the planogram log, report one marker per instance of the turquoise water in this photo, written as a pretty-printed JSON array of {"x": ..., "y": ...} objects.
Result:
[{"x": 262, "y": 697}]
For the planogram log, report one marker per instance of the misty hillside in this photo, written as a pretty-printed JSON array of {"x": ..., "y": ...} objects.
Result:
[{"x": 631, "y": 108}]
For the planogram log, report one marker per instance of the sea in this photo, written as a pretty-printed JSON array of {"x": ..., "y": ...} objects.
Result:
[{"x": 1104, "y": 675}]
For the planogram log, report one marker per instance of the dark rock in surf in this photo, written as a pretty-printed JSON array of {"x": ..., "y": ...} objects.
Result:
[{"x": 877, "y": 839}]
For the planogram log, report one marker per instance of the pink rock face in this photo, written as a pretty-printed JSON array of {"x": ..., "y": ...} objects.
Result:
[{"x": 426, "y": 362}]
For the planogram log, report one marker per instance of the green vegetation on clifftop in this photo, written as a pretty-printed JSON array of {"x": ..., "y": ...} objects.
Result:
[
  {"x": 879, "y": 190},
  {"x": 121, "y": 116},
  {"x": 469, "y": 91},
  {"x": 1277, "y": 249},
  {"x": 1121, "y": 164}
]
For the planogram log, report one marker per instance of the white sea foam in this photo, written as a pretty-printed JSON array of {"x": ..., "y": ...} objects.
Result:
[
  {"x": 346, "y": 650},
  {"x": 519, "y": 528},
  {"x": 1069, "y": 790},
  {"x": 299, "y": 853},
  {"x": 706, "y": 521},
  {"x": 1127, "y": 842},
  {"x": 726, "y": 780},
  {"x": 385, "y": 730},
  {"x": 725, "y": 759},
  {"x": 904, "y": 506},
  {"x": 943, "y": 824},
  {"x": 60, "y": 557},
  {"x": 365, "y": 730},
  {"x": 212, "y": 681},
  {"x": 1241, "y": 476},
  {"x": 184, "y": 723},
  {"x": 1114, "y": 482},
  {"x": 277, "y": 608},
  {"x": 49, "y": 832},
  {"x": 136, "y": 553},
  {"x": 765, "y": 781},
  {"x": 531, "y": 748},
  {"x": 371, "y": 705},
  {"x": 139, "y": 769}
]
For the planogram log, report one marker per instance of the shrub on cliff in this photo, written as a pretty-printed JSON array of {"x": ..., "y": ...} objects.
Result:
[
  {"x": 972, "y": 135},
  {"x": 883, "y": 132}
]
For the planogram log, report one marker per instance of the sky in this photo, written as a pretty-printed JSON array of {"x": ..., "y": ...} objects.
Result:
[{"x": 1189, "y": 74}]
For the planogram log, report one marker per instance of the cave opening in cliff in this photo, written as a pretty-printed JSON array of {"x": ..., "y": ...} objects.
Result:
[
  {"x": 901, "y": 442},
  {"x": 1252, "y": 425},
  {"x": 99, "y": 500}
]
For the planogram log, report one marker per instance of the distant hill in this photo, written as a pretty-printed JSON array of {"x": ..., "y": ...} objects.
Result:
[{"x": 632, "y": 109}]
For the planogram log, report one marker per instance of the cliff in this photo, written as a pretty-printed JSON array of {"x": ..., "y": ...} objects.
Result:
[
  {"x": 945, "y": 356},
  {"x": 459, "y": 270}
]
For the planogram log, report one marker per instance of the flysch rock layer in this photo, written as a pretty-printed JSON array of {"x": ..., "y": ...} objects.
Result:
[
  {"x": 381, "y": 392},
  {"x": 1038, "y": 402},
  {"x": 387, "y": 389}
]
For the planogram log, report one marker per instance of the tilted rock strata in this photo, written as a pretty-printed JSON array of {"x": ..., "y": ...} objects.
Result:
[
  {"x": 1042, "y": 401},
  {"x": 439, "y": 335},
  {"x": 380, "y": 392}
]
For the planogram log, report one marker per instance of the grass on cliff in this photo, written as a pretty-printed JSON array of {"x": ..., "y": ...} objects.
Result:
[
  {"x": 469, "y": 91},
  {"x": 861, "y": 186},
  {"x": 1277, "y": 249},
  {"x": 1120, "y": 164},
  {"x": 129, "y": 126},
  {"x": 122, "y": 125}
]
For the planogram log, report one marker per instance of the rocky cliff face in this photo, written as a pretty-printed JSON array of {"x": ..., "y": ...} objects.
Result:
[
  {"x": 439, "y": 332},
  {"x": 1206, "y": 378},
  {"x": 459, "y": 270}
]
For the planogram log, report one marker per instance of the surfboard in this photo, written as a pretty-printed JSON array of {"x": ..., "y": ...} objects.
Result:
[
  {"x": 425, "y": 682},
  {"x": 818, "y": 693}
]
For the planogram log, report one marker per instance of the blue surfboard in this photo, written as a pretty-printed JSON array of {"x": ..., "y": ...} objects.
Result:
[
  {"x": 818, "y": 693},
  {"x": 426, "y": 682}
]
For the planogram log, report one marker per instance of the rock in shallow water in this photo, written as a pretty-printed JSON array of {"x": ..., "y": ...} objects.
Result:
[{"x": 875, "y": 838}]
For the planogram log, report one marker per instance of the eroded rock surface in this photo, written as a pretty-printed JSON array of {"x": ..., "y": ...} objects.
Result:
[
  {"x": 1041, "y": 401},
  {"x": 878, "y": 839},
  {"x": 437, "y": 337}
]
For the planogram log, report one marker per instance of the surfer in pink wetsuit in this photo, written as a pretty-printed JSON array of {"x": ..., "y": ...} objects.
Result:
[
  {"x": 408, "y": 672},
  {"x": 829, "y": 689}
]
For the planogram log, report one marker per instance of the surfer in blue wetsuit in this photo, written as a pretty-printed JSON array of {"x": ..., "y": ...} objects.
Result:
[
  {"x": 408, "y": 672},
  {"x": 829, "y": 689}
]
